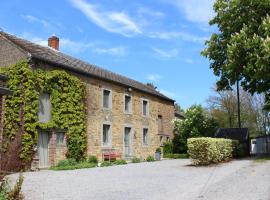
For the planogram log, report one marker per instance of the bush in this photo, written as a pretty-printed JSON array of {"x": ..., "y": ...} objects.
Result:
[
  {"x": 93, "y": 159},
  {"x": 158, "y": 150},
  {"x": 175, "y": 155},
  {"x": 204, "y": 150},
  {"x": 106, "y": 164},
  {"x": 12, "y": 194},
  {"x": 150, "y": 159},
  {"x": 168, "y": 147},
  {"x": 66, "y": 162},
  {"x": 135, "y": 160},
  {"x": 120, "y": 162}
]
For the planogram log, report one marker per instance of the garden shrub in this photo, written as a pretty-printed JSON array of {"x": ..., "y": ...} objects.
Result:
[
  {"x": 120, "y": 162},
  {"x": 150, "y": 159},
  {"x": 93, "y": 159},
  {"x": 175, "y": 155},
  {"x": 66, "y": 162},
  {"x": 106, "y": 164},
  {"x": 168, "y": 147},
  {"x": 135, "y": 160},
  {"x": 12, "y": 194},
  {"x": 204, "y": 150}
]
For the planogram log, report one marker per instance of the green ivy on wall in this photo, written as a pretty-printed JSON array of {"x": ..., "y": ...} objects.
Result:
[{"x": 67, "y": 95}]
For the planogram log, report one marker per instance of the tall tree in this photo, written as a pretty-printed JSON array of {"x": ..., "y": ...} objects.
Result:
[{"x": 240, "y": 50}]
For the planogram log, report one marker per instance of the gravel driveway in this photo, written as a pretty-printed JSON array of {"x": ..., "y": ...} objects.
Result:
[{"x": 167, "y": 179}]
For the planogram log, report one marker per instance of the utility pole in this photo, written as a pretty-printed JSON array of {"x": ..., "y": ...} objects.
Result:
[{"x": 238, "y": 105}]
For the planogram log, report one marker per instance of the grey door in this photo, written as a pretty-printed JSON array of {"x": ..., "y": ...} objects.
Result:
[
  {"x": 127, "y": 141},
  {"x": 43, "y": 140}
]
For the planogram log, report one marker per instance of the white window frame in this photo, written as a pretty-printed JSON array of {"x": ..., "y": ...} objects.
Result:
[
  {"x": 147, "y": 108},
  {"x": 148, "y": 138},
  {"x": 110, "y": 98},
  {"x": 110, "y": 135},
  {"x": 130, "y": 109}
]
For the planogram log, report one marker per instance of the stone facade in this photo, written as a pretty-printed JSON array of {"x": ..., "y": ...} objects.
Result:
[{"x": 158, "y": 122}]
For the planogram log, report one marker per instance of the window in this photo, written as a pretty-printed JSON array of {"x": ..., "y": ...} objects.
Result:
[
  {"x": 44, "y": 108},
  {"x": 60, "y": 138},
  {"x": 106, "y": 131},
  {"x": 145, "y": 107},
  {"x": 160, "y": 124},
  {"x": 128, "y": 104},
  {"x": 145, "y": 136},
  {"x": 107, "y": 99}
]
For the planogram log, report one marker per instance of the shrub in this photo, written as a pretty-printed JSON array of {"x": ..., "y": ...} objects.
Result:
[
  {"x": 150, "y": 159},
  {"x": 93, "y": 159},
  {"x": 168, "y": 147},
  {"x": 175, "y": 155},
  {"x": 135, "y": 160},
  {"x": 106, "y": 164},
  {"x": 10, "y": 194},
  {"x": 66, "y": 162},
  {"x": 204, "y": 150},
  {"x": 120, "y": 162},
  {"x": 158, "y": 150}
]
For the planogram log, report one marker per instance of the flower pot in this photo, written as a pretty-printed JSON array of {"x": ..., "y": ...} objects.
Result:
[{"x": 157, "y": 156}]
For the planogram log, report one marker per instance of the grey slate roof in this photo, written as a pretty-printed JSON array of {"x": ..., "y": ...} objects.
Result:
[{"x": 64, "y": 61}]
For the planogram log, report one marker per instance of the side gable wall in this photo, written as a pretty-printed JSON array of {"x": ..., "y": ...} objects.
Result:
[{"x": 9, "y": 53}]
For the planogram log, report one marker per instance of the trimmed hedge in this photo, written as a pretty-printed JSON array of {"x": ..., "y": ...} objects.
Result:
[
  {"x": 175, "y": 155},
  {"x": 205, "y": 150}
]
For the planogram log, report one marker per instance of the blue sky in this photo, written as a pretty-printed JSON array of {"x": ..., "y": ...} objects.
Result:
[{"x": 156, "y": 41}]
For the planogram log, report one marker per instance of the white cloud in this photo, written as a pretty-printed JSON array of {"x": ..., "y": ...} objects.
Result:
[
  {"x": 115, "y": 51},
  {"x": 178, "y": 35},
  {"x": 200, "y": 11},
  {"x": 170, "y": 94},
  {"x": 31, "y": 19},
  {"x": 154, "y": 77},
  {"x": 166, "y": 53},
  {"x": 112, "y": 21}
]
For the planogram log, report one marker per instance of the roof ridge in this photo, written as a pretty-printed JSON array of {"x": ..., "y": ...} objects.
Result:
[{"x": 46, "y": 53}]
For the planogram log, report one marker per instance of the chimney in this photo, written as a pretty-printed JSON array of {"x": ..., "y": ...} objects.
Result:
[{"x": 53, "y": 42}]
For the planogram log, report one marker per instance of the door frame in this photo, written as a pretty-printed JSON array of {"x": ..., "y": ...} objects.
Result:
[{"x": 130, "y": 140}]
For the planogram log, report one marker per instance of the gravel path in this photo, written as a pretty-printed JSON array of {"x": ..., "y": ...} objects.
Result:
[{"x": 168, "y": 179}]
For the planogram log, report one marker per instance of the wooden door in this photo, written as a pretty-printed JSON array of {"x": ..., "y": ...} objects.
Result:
[{"x": 43, "y": 141}]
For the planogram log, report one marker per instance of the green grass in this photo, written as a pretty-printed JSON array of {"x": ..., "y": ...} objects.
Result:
[
  {"x": 261, "y": 159},
  {"x": 80, "y": 165}
]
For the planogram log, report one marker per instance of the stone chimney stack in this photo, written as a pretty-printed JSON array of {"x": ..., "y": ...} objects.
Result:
[{"x": 53, "y": 42}]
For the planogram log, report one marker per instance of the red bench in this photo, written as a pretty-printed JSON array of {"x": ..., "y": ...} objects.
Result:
[{"x": 110, "y": 155}]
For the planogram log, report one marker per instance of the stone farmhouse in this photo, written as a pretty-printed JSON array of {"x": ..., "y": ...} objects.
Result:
[{"x": 123, "y": 116}]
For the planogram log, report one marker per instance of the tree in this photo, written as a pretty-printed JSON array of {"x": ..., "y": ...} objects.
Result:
[
  {"x": 240, "y": 51},
  {"x": 196, "y": 124},
  {"x": 222, "y": 106}
]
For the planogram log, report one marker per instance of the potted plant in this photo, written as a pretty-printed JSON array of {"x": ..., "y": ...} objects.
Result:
[{"x": 158, "y": 154}]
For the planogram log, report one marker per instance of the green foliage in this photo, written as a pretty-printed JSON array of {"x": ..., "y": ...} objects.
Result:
[
  {"x": 167, "y": 147},
  {"x": 120, "y": 162},
  {"x": 150, "y": 159},
  {"x": 136, "y": 160},
  {"x": 12, "y": 194},
  {"x": 205, "y": 150},
  {"x": 240, "y": 50},
  {"x": 106, "y": 164},
  {"x": 93, "y": 159},
  {"x": 71, "y": 164},
  {"x": 68, "y": 109},
  {"x": 175, "y": 155},
  {"x": 66, "y": 162},
  {"x": 196, "y": 124},
  {"x": 158, "y": 150}
]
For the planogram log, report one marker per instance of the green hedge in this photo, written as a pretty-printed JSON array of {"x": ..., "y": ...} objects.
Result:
[
  {"x": 175, "y": 155},
  {"x": 204, "y": 150}
]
